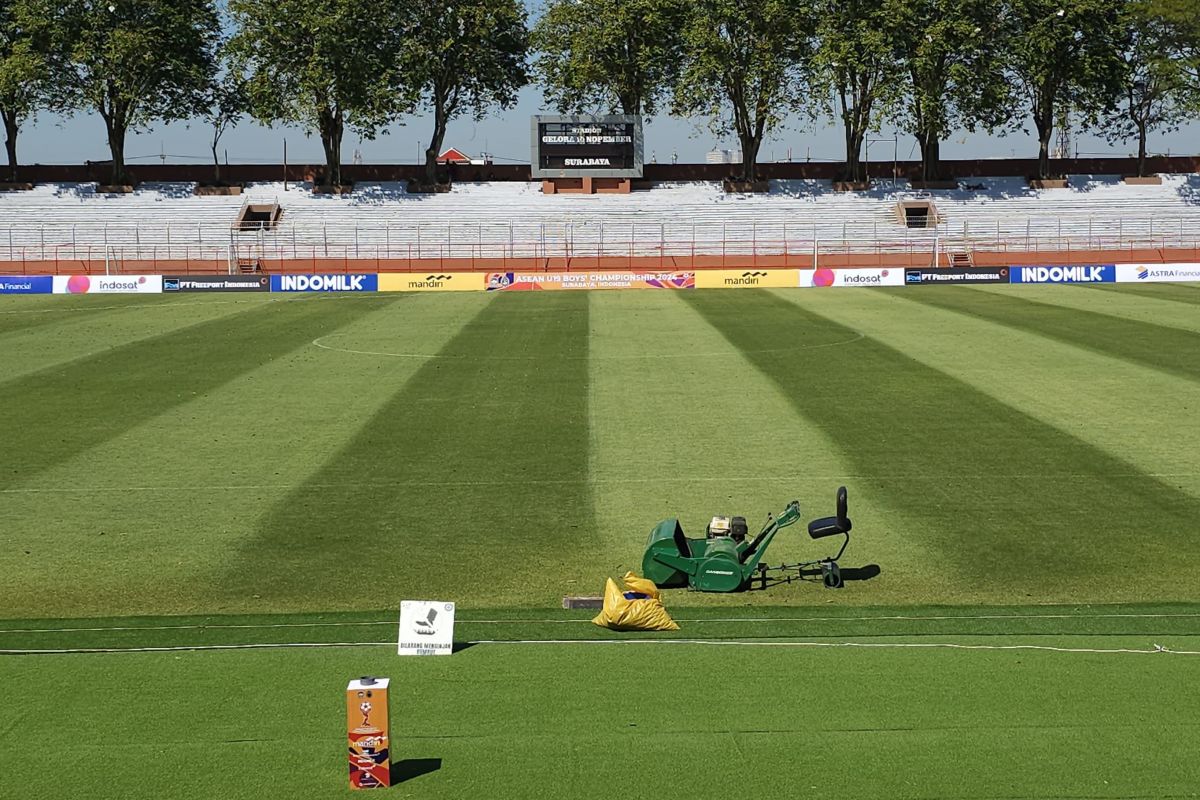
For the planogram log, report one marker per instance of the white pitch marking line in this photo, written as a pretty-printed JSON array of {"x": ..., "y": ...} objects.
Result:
[
  {"x": 251, "y": 487},
  {"x": 129, "y": 307},
  {"x": 318, "y": 342},
  {"x": 866, "y": 645},
  {"x": 184, "y": 648},
  {"x": 873, "y": 645},
  {"x": 872, "y": 618}
]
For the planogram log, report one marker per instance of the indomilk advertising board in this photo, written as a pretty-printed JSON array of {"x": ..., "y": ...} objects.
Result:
[{"x": 587, "y": 146}]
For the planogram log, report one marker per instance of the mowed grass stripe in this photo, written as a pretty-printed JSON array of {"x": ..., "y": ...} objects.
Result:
[
  {"x": 1186, "y": 293},
  {"x": 1165, "y": 348},
  {"x": 20, "y": 313},
  {"x": 1015, "y": 507},
  {"x": 206, "y": 471},
  {"x": 677, "y": 406},
  {"x": 495, "y": 427},
  {"x": 76, "y": 330},
  {"x": 1109, "y": 299},
  {"x": 1085, "y": 394},
  {"x": 58, "y": 413}
]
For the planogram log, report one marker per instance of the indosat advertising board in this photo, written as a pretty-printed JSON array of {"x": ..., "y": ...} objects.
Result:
[
  {"x": 108, "y": 284},
  {"x": 582, "y": 146},
  {"x": 849, "y": 278}
]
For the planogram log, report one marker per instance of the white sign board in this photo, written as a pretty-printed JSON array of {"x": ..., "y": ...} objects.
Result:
[
  {"x": 824, "y": 276},
  {"x": 108, "y": 284},
  {"x": 426, "y": 628},
  {"x": 1157, "y": 273}
]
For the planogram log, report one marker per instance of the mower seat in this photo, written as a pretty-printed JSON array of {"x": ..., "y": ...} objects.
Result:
[
  {"x": 832, "y": 526},
  {"x": 828, "y": 526}
]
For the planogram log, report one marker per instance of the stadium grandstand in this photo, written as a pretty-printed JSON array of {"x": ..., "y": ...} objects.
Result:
[{"x": 72, "y": 228}]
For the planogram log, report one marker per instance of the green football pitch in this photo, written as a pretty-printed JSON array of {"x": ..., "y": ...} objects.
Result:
[{"x": 264, "y": 479}]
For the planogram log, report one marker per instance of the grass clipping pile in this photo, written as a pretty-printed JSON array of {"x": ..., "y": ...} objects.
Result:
[{"x": 638, "y": 608}]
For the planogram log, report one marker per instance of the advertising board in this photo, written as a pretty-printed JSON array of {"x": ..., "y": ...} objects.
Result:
[
  {"x": 955, "y": 275},
  {"x": 431, "y": 282},
  {"x": 1157, "y": 273},
  {"x": 850, "y": 278},
  {"x": 216, "y": 283},
  {"x": 556, "y": 281},
  {"x": 1096, "y": 273},
  {"x": 359, "y": 282},
  {"x": 367, "y": 733},
  {"x": 586, "y": 145},
  {"x": 26, "y": 284},
  {"x": 108, "y": 284},
  {"x": 747, "y": 278}
]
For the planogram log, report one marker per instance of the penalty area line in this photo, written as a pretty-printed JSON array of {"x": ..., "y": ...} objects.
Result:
[
  {"x": 581, "y": 621},
  {"x": 255, "y": 487},
  {"x": 1155, "y": 649},
  {"x": 868, "y": 645}
]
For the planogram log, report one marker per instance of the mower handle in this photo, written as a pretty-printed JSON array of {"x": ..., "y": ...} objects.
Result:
[{"x": 754, "y": 552}]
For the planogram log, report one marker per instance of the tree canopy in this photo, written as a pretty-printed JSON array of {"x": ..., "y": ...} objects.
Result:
[
  {"x": 24, "y": 74},
  {"x": 617, "y": 57},
  {"x": 953, "y": 54},
  {"x": 745, "y": 66},
  {"x": 1159, "y": 91},
  {"x": 134, "y": 62},
  {"x": 1066, "y": 56},
  {"x": 464, "y": 56},
  {"x": 324, "y": 65}
]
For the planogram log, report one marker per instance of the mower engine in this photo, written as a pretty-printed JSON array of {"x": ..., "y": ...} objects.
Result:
[{"x": 733, "y": 527}]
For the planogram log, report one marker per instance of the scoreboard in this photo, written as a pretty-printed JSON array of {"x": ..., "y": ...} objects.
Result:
[{"x": 587, "y": 146}]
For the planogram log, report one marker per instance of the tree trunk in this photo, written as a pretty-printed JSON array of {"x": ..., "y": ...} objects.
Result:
[
  {"x": 216, "y": 162},
  {"x": 1141, "y": 161},
  {"x": 750, "y": 145},
  {"x": 1043, "y": 119},
  {"x": 11, "y": 125},
  {"x": 435, "y": 144},
  {"x": 116, "y": 145},
  {"x": 931, "y": 156},
  {"x": 855, "y": 171},
  {"x": 331, "y": 139}
]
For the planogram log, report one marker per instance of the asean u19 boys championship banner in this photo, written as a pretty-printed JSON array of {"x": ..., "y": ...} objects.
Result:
[{"x": 556, "y": 281}]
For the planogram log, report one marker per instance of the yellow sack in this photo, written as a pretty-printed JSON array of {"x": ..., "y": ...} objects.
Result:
[{"x": 621, "y": 613}]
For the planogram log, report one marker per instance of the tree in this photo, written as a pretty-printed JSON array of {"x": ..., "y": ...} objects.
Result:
[
  {"x": 1159, "y": 92},
  {"x": 1066, "y": 54},
  {"x": 1181, "y": 16},
  {"x": 322, "y": 64},
  {"x": 596, "y": 54},
  {"x": 953, "y": 52},
  {"x": 857, "y": 66},
  {"x": 24, "y": 75},
  {"x": 744, "y": 66},
  {"x": 227, "y": 103},
  {"x": 134, "y": 62},
  {"x": 465, "y": 56}
]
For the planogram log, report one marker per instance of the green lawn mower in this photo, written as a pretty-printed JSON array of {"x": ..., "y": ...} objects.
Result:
[{"x": 727, "y": 560}]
